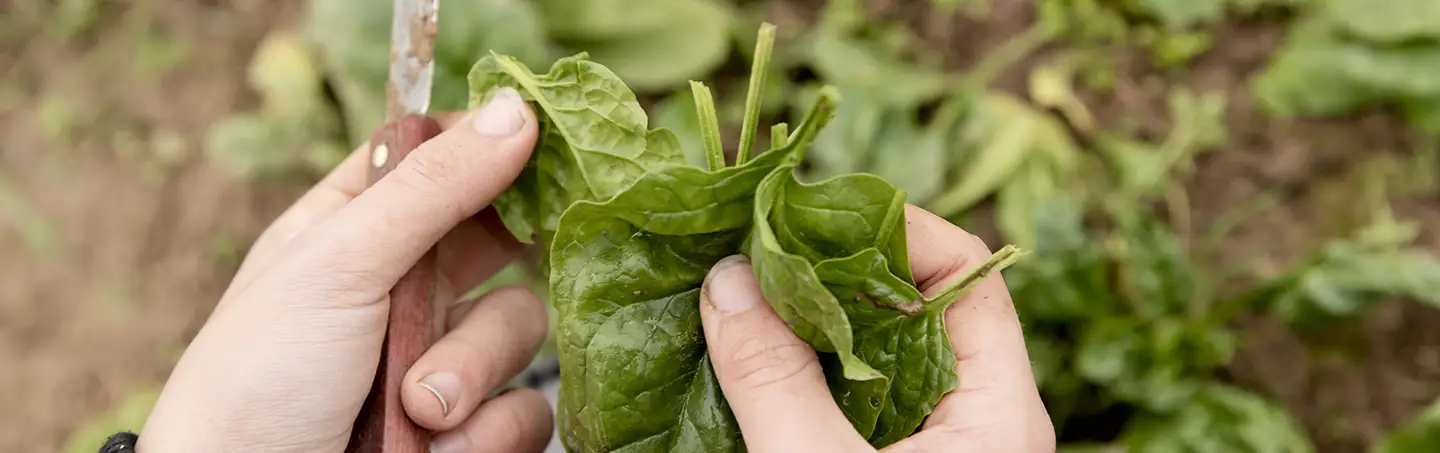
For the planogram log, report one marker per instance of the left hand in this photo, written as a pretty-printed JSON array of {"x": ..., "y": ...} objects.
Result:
[{"x": 288, "y": 356}]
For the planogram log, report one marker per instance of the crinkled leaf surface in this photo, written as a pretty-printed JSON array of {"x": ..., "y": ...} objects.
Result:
[
  {"x": 593, "y": 139},
  {"x": 625, "y": 278},
  {"x": 635, "y": 230},
  {"x": 841, "y": 243}
]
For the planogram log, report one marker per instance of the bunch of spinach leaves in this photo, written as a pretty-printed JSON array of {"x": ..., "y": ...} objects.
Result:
[{"x": 630, "y": 229}]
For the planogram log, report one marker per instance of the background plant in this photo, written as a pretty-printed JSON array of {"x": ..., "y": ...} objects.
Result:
[{"x": 1132, "y": 305}]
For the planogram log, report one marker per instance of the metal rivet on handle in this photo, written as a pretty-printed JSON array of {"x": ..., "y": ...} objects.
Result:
[{"x": 380, "y": 155}]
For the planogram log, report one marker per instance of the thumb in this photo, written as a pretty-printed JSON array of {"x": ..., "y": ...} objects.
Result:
[
  {"x": 447, "y": 179},
  {"x": 771, "y": 379}
]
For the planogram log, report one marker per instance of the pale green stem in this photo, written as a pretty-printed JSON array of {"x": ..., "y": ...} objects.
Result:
[
  {"x": 779, "y": 135},
  {"x": 709, "y": 125},
  {"x": 764, "y": 45}
]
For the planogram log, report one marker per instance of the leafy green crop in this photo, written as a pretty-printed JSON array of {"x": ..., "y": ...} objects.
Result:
[
  {"x": 631, "y": 229},
  {"x": 1349, "y": 54}
]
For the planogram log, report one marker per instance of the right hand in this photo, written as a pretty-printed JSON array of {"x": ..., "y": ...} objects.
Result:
[{"x": 774, "y": 384}]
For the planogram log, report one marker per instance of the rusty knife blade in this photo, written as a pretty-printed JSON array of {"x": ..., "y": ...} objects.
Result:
[{"x": 412, "y": 58}]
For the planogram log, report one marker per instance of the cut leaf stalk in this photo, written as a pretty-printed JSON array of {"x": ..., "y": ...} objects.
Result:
[
  {"x": 764, "y": 46},
  {"x": 709, "y": 125},
  {"x": 779, "y": 135}
]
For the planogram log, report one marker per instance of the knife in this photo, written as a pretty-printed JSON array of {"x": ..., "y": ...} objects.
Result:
[{"x": 382, "y": 426}]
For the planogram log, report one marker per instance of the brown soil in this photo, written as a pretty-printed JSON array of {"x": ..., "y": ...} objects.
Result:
[
  {"x": 1389, "y": 367},
  {"x": 145, "y": 232},
  {"x": 1388, "y": 370},
  {"x": 144, "y": 241}
]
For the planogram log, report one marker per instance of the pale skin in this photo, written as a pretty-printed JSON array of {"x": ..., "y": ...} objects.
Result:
[{"x": 286, "y": 359}]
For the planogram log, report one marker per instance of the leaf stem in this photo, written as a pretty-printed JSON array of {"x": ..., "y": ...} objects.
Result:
[
  {"x": 1000, "y": 260},
  {"x": 709, "y": 125},
  {"x": 764, "y": 45},
  {"x": 779, "y": 135},
  {"x": 820, "y": 113}
]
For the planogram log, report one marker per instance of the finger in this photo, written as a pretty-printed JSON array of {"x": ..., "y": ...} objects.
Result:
[
  {"x": 771, "y": 379},
  {"x": 475, "y": 250},
  {"x": 496, "y": 340},
  {"x": 449, "y": 119},
  {"x": 379, "y": 235},
  {"x": 337, "y": 188},
  {"x": 997, "y": 389},
  {"x": 515, "y": 421}
]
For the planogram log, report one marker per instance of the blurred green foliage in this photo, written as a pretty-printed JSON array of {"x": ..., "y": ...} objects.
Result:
[
  {"x": 128, "y": 415},
  {"x": 1345, "y": 55},
  {"x": 1125, "y": 312}
]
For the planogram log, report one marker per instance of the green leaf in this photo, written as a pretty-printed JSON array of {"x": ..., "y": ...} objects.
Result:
[
  {"x": 1384, "y": 21},
  {"x": 1071, "y": 282},
  {"x": 1158, "y": 365},
  {"x": 1003, "y": 133},
  {"x": 1418, "y": 435},
  {"x": 630, "y": 248},
  {"x": 651, "y": 44},
  {"x": 861, "y": 125},
  {"x": 625, "y": 276},
  {"x": 852, "y": 229},
  {"x": 915, "y": 160},
  {"x": 1346, "y": 279},
  {"x": 593, "y": 139},
  {"x": 1220, "y": 419},
  {"x": 1318, "y": 73},
  {"x": 852, "y": 63},
  {"x": 1181, "y": 14}
]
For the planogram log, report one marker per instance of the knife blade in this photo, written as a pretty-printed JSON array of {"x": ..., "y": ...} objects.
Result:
[{"x": 382, "y": 426}]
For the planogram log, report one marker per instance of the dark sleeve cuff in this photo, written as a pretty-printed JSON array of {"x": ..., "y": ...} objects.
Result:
[{"x": 121, "y": 442}]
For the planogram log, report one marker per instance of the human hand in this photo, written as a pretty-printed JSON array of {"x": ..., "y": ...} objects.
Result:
[
  {"x": 774, "y": 384},
  {"x": 288, "y": 356}
]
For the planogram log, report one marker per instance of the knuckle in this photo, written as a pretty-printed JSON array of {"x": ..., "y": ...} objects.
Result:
[
  {"x": 429, "y": 172},
  {"x": 758, "y": 361},
  {"x": 523, "y": 306},
  {"x": 520, "y": 417}
]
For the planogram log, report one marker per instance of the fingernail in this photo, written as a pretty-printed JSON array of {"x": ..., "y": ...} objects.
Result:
[
  {"x": 451, "y": 442},
  {"x": 731, "y": 286},
  {"x": 445, "y": 387},
  {"x": 501, "y": 117}
]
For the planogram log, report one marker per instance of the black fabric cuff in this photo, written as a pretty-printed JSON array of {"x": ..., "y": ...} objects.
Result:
[{"x": 121, "y": 442}]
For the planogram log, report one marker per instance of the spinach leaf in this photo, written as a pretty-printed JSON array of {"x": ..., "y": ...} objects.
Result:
[
  {"x": 630, "y": 231},
  {"x": 625, "y": 276},
  {"x": 593, "y": 139},
  {"x": 889, "y": 359}
]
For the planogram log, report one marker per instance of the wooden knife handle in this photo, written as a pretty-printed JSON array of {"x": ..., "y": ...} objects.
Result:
[{"x": 382, "y": 426}]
